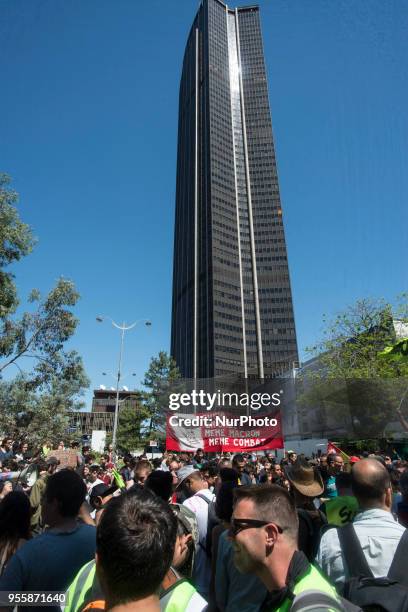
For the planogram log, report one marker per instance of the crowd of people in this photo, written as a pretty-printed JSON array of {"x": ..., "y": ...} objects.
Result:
[{"x": 193, "y": 532}]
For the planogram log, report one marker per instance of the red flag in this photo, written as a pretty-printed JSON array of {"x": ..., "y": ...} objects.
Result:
[{"x": 333, "y": 449}]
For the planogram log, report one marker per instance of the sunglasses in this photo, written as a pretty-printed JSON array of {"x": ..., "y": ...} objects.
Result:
[{"x": 238, "y": 525}]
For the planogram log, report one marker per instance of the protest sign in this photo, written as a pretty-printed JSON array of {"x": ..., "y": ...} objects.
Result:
[
  {"x": 220, "y": 432},
  {"x": 66, "y": 458}
]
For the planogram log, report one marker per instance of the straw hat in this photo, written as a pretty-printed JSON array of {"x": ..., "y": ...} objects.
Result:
[{"x": 305, "y": 479}]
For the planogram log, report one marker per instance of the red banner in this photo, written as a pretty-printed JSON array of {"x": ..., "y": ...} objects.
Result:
[{"x": 220, "y": 432}]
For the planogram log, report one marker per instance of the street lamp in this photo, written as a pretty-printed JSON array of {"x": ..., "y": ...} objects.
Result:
[{"x": 123, "y": 328}]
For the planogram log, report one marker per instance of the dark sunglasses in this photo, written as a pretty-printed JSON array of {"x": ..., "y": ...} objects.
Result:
[{"x": 238, "y": 525}]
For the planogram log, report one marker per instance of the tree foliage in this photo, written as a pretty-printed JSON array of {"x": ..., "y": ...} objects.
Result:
[
  {"x": 350, "y": 374},
  {"x": 50, "y": 379},
  {"x": 162, "y": 373},
  {"x": 16, "y": 241},
  {"x": 130, "y": 432}
]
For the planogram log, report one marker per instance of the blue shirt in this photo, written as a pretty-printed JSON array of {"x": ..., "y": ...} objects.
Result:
[
  {"x": 330, "y": 489},
  {"x": 379, "y": 535},
  {"x": 49, "y": 562}
]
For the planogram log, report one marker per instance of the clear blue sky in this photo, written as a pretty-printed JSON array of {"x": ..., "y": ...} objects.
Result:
[{"x": 88, "y": 114}]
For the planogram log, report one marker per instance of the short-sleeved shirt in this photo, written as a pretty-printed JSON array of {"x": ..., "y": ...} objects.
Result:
[{"x": 49, "y": 562}]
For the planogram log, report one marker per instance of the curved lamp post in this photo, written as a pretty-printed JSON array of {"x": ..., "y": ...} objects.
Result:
[{"x": 123, "y": 328}]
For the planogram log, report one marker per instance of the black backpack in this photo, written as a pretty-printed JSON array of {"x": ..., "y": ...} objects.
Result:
[
  {"x": 312, "y": 527},
  {"x": 386, "y": 594},
  {"x": 212, "y": 521}
]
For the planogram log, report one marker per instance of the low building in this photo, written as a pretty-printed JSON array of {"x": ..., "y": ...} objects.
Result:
[{"x": 102, "y": 416}]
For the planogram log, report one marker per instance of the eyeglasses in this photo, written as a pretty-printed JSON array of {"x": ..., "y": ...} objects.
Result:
[{"x": 238, "y": 525}]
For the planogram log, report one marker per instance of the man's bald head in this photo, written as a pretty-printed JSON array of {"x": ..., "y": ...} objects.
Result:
[{"x": 370, "y": 482}]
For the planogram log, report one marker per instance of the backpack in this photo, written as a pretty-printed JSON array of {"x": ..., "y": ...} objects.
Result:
[
  {"x": 313, "y": 527},
  {"x": 386, "y": 594},
  {"x": 212, "y": 521}
]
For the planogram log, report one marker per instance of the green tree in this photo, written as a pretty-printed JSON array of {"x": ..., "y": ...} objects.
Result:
[
  {"x": 161, "y": 375},
  {"x": 131, "y": 417},
  {"x": 16, "y": 241},
  {"x": 351, "y": 375},
  {"x": 51, "y": 379}
]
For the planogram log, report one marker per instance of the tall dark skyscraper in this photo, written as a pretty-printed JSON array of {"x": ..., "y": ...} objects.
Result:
[{"x": 232, "y": 307}]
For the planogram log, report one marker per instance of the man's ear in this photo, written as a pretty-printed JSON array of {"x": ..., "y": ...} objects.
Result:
[
  {"x": 188, "y": 539},
  {"x": 271, "y": 534},
  {"x": 97, "y": 502}
]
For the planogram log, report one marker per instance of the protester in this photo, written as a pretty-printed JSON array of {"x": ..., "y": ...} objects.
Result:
[
  {"x": 238, "y": 464},
  {"x": 100, "y": 495},
  {"x": 6, "y": 487},
  {"x": 210, "y": 474},
  {"x": 161, "y": 483},
  {"x": 22, "y": 454},
  {"x": 143, "y": 530},
  {"x": 198, "y": 458},
  {"x": 45, "y": 470},
  {"x": 127, "y": 469},
  {"x": 93, "y": 479},
  {"x": 306, "y": 485},
  {"x": 142, "y": 471},
  {"x": 176, "y": 593},
  {"x": 335, "y": 464},
  {"x": 230, "y": 591},
  {"x": 377, "y": 531},
  {"x": 198, "y": 500},
  {"x": 50, "y": 561},
  {"x": 15, "y": 515},
  {"x": 6, "y": 450},
  {"x": 264, "y": 531},
  {"x": 292, "y": 458}
]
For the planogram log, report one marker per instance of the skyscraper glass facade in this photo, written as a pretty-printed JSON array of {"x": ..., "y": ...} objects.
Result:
[{"x": 232, "y": 309}]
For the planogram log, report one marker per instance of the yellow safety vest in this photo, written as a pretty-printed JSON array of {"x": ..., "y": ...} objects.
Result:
[{"x": 313, "y": 580}]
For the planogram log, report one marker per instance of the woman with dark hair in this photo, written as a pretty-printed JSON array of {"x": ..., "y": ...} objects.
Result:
[{"x": 15, "y": 513}]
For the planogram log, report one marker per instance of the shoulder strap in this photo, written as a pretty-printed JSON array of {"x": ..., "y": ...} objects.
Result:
[
  {"x": 353, "y": 553},
  {"x": 398, "y": 569},
  {"x": 204, "y": 498},
  {"x": 316, "y": 601},
  {"x": 323, "y": 518}
]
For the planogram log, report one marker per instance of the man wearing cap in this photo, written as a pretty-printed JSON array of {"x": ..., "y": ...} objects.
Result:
[
  {"x": 45, "y": 469},
  {"x": 99, "y": 497},
  {"x": 195, "y": 489}
]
